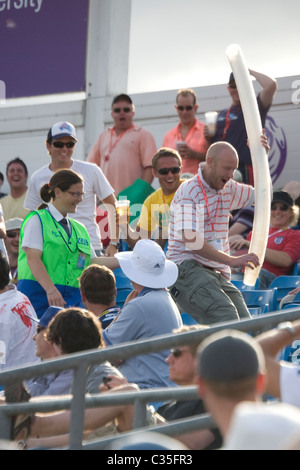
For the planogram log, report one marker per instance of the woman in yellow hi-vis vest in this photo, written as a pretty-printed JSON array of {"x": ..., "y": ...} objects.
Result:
[{"x": 55, "y": 249}]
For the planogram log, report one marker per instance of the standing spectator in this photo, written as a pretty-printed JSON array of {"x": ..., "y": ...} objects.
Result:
[
  {"x": 152, "y": 312},
  {"x": 60, "y": 143},
  {"x": 98, "y": 292},
  {"x": 2, "y": 233},
  {"x": 155, "y": 214},
  {"x": 198, "y": 239},
  {"x": 188, "y": 136},
  {"x": 1, "y": 184},
  {"x": 16, "y": 325},
  {"x": 124, "y": 151},
  {"x": 283, "y": 246},
  {"x": 231, "y": 125},
  {"x": 13, "y": 203},
  {"x": 11, "y": 241},
  {"x": 54, "y": 249}
]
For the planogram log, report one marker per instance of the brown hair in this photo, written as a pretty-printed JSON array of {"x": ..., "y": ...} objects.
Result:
[
  {"x": 98, "y": 284},
  {"x": 62, "y": 179},
  {"x": 165, "y": 152}
]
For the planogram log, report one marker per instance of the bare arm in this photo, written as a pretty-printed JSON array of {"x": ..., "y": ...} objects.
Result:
[
  {"x": 110, "y": 205},
  {"x": 272, "y": 342},
  {"x": 269, "y": 87},
  {"x": 148, "y": 175},
  {"x": 193, "y": 241}
]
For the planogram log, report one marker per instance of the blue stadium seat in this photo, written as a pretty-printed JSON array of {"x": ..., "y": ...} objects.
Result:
[
  {"x": 260, "y": 298},
  {"x": 284, "y": 285}
]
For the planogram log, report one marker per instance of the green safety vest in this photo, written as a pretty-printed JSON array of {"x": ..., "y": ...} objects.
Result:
[{"x": 64, "y": 257}]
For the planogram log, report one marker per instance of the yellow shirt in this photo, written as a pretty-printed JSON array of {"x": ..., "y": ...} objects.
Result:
[{"x": 155, "y": 212}]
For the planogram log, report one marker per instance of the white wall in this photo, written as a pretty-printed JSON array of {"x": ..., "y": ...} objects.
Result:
[{"x": 24, "y": 128}]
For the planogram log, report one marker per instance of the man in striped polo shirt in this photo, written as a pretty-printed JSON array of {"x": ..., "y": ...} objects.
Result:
[{"x": 198, "y": 238}]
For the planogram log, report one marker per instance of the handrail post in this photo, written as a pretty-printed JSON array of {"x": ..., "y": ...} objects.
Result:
[{"x": 78, "y": 407}]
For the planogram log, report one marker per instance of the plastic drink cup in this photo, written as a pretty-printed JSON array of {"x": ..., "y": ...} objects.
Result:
[
  {"x": 211, "y": 122},
  {"x": 122, "y": 207}
]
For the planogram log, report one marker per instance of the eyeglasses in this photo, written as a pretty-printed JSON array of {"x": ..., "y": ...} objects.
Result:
[
  {"x": 177, "y": 352},
  {"x": 60, "y": 145},
  {"x": 76, "y": 194},
  {"x": 187, "y": 108},
  {"x": 12, "y": 234},
  {"x": 281, "y": 207},
  {"x": 174, "y": 170},
  {"x": 125, "y": 110}
]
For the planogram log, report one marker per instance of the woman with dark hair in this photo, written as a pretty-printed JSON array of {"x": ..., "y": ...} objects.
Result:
[{"x": 55, "y": 249}]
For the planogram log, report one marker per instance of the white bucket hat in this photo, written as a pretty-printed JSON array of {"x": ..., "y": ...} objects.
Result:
[{"x": 147, "y": 265}]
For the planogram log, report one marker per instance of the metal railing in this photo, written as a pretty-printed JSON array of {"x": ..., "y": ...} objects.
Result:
[{"x": 80, "y": 363}]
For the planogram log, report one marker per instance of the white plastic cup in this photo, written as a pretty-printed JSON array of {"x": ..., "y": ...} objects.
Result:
[
  {"x": 122, "y": 208},
  {"x": 211, "y": 122},
  {"x": 179, "y": 144}
]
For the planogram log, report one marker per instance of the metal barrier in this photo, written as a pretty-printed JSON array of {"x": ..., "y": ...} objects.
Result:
[{"x": 81, "y": 362}]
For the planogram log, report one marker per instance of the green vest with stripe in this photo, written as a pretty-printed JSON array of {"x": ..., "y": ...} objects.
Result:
[{"x": 64, "y": 257}]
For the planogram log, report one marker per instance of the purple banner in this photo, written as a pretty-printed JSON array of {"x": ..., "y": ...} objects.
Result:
[{"x": 43, "y": 46}]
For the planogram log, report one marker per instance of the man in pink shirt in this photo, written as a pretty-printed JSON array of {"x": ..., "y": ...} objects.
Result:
[
  {"x": 188, "y": 136},
  {"x": 124, "y": 152}
]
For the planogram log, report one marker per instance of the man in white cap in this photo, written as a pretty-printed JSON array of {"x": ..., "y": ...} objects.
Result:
[
  {"x": 150, "y": 312},
  {"x": 12, "y": 245},
  {"x": 60, "y": 143}
]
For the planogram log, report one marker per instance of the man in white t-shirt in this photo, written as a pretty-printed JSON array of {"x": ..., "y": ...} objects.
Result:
[
  {"x": 60, "y": 143},
  {"x": 17, "y": 328}
]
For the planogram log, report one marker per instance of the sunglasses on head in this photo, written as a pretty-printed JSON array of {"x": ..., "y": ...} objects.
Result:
[
  {"x": 118, "y": 110},
  {"x": 177, "y": 352},
  {"x": 60, "y": 145},
  {"x": 187, "y": 108},
  {"x": 282, "y": 207},
  {"x": 12, "y": 234},
  {"x": 174, "y": 170}
]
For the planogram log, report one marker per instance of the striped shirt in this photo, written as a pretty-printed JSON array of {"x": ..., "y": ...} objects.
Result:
[{"x": 198, "y": 207}]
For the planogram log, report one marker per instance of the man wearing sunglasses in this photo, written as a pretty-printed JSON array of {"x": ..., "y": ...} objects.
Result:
[
  {"x": 124, "y": 151},
  {"x": 155, "y": 213},
  {"x": 231, "y": 125},
  {"x": 61, "y": 143},
  {"x": 188, "y": 136}
]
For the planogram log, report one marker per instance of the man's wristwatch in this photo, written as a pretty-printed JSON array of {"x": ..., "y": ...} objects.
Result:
[
  {"x": 21, "y": 444},
  {"x": 287, "y": 326},
  {"x": 116, "y": 244}
]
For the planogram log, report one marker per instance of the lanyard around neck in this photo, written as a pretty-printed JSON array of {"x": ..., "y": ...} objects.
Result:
[{"x": 207, "y": 206}]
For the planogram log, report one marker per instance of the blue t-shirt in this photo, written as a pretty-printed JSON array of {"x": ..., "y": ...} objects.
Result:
[
  {"x": 236, "y": 133},
  {"x": 152, "y": 313}
]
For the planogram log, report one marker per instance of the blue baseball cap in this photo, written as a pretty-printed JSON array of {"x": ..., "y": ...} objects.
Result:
[{"x": 48, "y": 315}]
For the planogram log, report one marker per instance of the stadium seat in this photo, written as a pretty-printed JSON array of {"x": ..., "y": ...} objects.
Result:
[
  {"x": 284, "y": 284},
  {"x": 260, "y": 298}
]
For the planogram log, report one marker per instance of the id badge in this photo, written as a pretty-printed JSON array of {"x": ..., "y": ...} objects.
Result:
[
  {"x": 216, "y": 243},
  {"x": 81, "y": 260}
]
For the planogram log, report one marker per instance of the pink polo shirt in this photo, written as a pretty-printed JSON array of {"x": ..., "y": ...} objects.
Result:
[
  {"x": 194, "y": 139},
  {"x": 123, "y": 158}
]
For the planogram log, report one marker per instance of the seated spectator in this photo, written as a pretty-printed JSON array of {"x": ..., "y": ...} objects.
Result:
[
  {"x": 150, "y": 312},
  {"x": 13, "y": 203},
  {"x": 241, "y": 222},
  {"x": 11, "y": 241},
  {"x": 17, "y": 323},
  {"x": 98, "y": 290},
  {"x": 283, "y": 247},
  {"x": 182, "y": 371},
  {"x": 155, "y": 214},
  {"x": 231, "y": 373}
]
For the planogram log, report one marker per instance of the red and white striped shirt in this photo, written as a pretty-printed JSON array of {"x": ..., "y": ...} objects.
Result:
[{"x": 198, "y": 207}]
